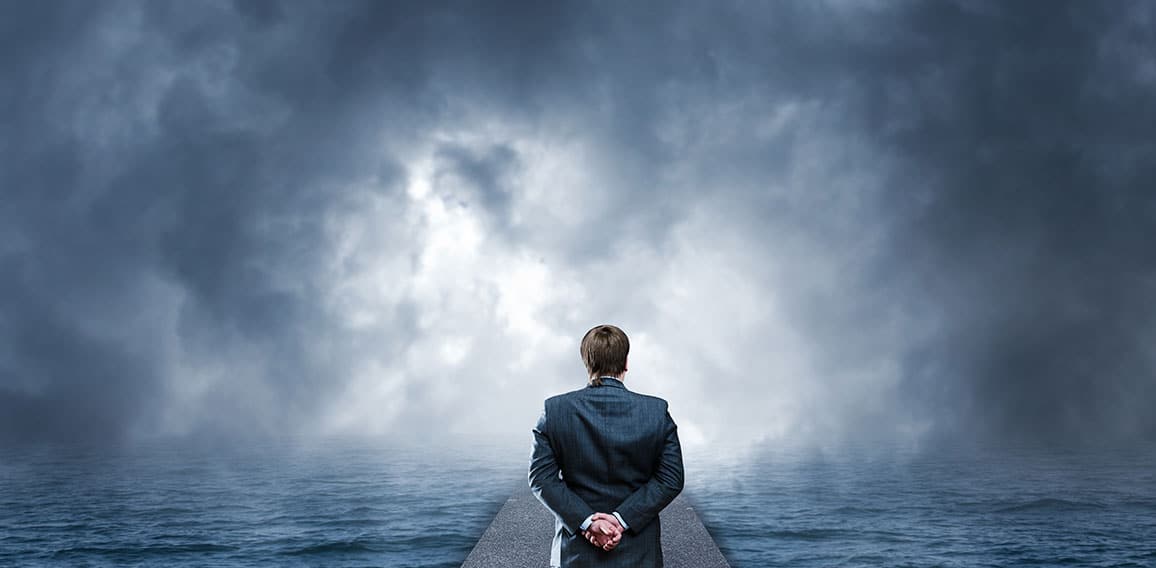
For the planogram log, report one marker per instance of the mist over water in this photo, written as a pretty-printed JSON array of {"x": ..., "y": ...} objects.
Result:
[
  {"x": 338, "y": 504},
  {"x": 350, "y": 503},
  {"x": 882, "y": 505}
]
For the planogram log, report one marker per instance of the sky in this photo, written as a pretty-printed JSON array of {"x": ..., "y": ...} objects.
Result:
[{"x": 818, "y": 221}]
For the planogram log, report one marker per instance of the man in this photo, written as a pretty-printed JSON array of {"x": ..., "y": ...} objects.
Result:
[{"x": 605, "y": 461}]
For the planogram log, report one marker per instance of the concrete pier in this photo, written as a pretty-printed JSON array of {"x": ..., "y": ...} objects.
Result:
[{"x": 520, "y": 534}]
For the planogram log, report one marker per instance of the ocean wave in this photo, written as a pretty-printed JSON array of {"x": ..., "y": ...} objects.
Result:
[
  {"x": 149, "y": 550},
  {"x": 1049, "y": 504},
  {"x": 335, "y": 546},
  {"x": 808, "y": 534}
]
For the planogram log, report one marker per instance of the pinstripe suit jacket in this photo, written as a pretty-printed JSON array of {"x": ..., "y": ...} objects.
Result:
[{"x": 605, "y": 448}]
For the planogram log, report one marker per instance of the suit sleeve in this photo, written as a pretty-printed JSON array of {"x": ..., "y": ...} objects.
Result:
[
  {"x": 549, "y": 488},
  {"x": 647, "y": 501}
]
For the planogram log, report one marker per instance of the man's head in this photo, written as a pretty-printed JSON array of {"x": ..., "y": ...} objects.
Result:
[{"x": 604, "y": 350}]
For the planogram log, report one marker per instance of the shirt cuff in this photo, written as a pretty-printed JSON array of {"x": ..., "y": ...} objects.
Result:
[
  {"x": 620, "y": 521},
  {"x": 586, "y": 524}
]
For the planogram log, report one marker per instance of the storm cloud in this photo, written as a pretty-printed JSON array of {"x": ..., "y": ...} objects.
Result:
[{"x": 816, "y": 220}]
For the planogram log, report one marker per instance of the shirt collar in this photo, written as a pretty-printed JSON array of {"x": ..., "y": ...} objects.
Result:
[{"x": 612, "y": 382}]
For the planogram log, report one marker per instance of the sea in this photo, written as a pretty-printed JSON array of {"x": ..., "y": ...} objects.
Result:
[{"x": 346, "y": 504}]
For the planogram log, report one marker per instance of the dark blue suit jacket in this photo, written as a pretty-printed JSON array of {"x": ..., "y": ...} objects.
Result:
[{"x": 604, "y": 448}]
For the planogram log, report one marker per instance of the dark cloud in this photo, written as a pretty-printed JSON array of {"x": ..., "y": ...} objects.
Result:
[
  {"x": 183, "y": 185},
  {"x": 1021, "y": 231},
  {"x": 482, "y": 173}
]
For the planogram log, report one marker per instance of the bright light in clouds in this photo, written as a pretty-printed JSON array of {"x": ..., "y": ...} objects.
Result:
[
  {"x": 732, "y": 359},
  {"x": 477, "y": 300},
  {"x": 497, "y": 320}
]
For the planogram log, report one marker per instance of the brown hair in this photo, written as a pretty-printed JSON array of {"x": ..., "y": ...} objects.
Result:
[{"x": 604, "y": 349}]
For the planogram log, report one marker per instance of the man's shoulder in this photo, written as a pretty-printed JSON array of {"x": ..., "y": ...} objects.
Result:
[
  {"x": 563, "y": 399},
  {"x": 566, "y": 396},
  {"x": 651, "y": 399},
  {"x": 653, "y": 403}
]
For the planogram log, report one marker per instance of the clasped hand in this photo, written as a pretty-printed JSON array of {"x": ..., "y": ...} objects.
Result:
[{"x": 604, "y": 531}]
